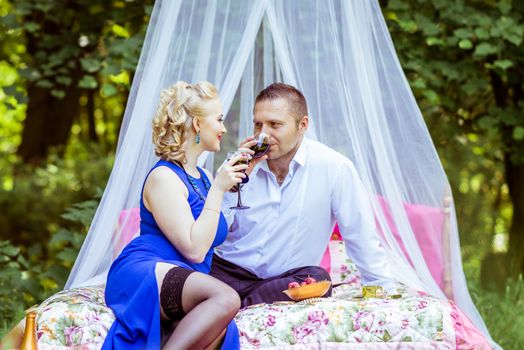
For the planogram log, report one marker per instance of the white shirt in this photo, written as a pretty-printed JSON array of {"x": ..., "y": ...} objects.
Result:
[{"x": 289, "y": 226}]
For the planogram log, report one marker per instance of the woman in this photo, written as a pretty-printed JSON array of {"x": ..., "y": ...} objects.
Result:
[{"x": 162, "y": 274}]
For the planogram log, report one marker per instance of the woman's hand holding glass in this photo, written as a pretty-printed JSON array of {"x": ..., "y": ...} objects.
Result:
[
  {"x": 254, "y": 150},
  {"x": 231, "y": 173},
  {"x": 239, "y": 158}
]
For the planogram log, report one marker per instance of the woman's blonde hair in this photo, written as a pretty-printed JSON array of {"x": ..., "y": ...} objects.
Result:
[{"x": 179, "y": 104}]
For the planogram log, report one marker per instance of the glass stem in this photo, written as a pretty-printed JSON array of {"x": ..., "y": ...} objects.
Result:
[{"x": 239, "y": 202}]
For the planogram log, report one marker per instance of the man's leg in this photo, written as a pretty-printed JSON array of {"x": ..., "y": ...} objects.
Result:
[
  {"x": 235, "y": 276},
  {"x": 270, "y": 290}
]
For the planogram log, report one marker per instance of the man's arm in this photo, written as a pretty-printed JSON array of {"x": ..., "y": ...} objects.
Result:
[{"x": 352, "y": 210}]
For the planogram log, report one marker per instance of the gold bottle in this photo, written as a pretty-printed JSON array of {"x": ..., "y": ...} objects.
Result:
[{"x": 29, "y": 339}]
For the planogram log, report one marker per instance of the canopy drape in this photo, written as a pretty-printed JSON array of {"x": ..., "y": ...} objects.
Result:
[{"x": 341, "y": 56}]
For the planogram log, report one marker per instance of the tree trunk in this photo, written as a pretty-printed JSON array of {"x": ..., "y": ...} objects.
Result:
[
  {"x": 91, "y": 115},
  {"x": 48, "y": 118},
  {"x": 515, "y": 181},
  {"x": 48, "y": 121}
]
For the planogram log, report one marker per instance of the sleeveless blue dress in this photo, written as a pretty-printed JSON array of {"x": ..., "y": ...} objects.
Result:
[{"x": 131, "y": 290}]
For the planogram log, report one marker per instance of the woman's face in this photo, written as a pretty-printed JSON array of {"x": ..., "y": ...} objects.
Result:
[{"x": 212, "y": 126}]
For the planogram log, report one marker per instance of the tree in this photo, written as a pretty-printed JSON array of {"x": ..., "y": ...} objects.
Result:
[
  {"x": 74, "y": 48},
  {"x": 465, "y": 62}
]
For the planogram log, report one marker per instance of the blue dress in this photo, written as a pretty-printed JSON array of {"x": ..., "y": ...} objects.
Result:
[{"x": 131, "y": 290}]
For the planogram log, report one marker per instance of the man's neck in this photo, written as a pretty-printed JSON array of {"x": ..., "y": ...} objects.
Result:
[{"x": 280, "y": 167}]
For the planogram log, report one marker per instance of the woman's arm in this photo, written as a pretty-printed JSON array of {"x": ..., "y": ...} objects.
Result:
[
  {"x": 165, "y": 195},
  {"x": 230, "y": 198}
]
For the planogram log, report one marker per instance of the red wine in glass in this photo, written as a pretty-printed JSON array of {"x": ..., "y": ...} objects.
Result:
[
  {"x": 243, "y": 160},
  {"x": 262, "y": 146}
]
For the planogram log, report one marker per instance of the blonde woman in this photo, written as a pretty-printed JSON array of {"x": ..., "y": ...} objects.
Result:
[{"x": 160, "y": 280}]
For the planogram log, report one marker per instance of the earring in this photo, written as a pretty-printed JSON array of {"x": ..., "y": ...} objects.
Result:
[{"x": 197, "y": 138}]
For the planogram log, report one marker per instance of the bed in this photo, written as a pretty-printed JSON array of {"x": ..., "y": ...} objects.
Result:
[{"x": 79, "y": 319}]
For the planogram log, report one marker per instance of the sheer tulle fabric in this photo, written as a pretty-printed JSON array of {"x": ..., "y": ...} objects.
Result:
[{"x": 340, "y": 55}]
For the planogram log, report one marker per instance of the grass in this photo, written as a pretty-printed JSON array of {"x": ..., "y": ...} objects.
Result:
[
  {"x": 5, "y": 327},
  {"x": 503, "y": 314}
]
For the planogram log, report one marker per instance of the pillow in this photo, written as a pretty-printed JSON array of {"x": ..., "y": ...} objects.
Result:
[
  {"x": 337, "y": 263},
  {"x": 428, "y": 225},
  {"x": 342, "y": 269},
  {"x": 76, "y": 318}
]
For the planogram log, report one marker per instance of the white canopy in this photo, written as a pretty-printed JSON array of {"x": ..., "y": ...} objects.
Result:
[{"x": 340, "y": 55}]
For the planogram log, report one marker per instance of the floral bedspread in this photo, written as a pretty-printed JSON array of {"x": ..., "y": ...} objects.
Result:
[
  {"x": 79, "y": 319},
  {"x": 342, "y": 319},
  {"x": 75, "y": 318}
]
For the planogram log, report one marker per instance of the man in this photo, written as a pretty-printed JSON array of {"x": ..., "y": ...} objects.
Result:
[{"x": 296, "y": 193}]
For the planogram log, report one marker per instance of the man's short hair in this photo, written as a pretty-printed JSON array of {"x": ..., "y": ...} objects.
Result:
[{"x": 295, "y": 99}]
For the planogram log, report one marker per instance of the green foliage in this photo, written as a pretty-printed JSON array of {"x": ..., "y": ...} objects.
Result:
[
  {"x": 12, "y": 265},
  {"x": 50, "y": 53},
  {"x": 27, "y": 277},
  {"x": 31, "y": 208},
  {"x": 11, "y": 110},
  {"x": 12, "y": 91},
  {"x": 39, "y": 245},
  {"x": 104, "y": 45},
  {"x": 503, "y": 313},
  {"x": 465, "y": 61},
  {"x": 105, "y": 40},
  {"x": 472, "y": 63}
]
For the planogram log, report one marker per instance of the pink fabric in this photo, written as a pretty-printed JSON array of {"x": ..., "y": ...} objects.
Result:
[
  {"x": 129, "y": 226},
  {"x": 326, "y": 260},
  {"x": 467, "y": 336},
  {"x": 427, "y": 224}
]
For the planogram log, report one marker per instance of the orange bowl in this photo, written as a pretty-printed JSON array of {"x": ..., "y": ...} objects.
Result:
[{"x": 313, "y": 290}]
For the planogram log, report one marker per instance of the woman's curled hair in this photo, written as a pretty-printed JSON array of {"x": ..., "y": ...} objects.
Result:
[{"x": 179, "y": 104}]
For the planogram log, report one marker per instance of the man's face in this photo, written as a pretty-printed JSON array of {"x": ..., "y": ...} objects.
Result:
[{"x": 273, "y": 118}]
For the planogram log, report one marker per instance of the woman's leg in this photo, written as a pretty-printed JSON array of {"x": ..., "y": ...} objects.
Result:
[
  {"x": 209, "y": 306},
  {"x": 217, "y": 342}
]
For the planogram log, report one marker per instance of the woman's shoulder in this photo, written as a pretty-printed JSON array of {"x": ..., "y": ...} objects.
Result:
[{"x": 164, "y": 175}]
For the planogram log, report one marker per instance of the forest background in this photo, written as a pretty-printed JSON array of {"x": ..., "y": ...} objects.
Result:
[{"x": 66, "y": 68}]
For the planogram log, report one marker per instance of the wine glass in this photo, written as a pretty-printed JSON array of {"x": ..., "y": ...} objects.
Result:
[
  {"x": 262, "y": 146},
  {"x": 243, "y": 160}
]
